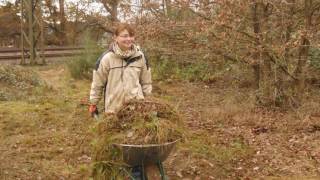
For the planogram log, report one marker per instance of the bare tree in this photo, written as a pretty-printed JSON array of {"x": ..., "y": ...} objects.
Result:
[{"x": 112, "y": 7}]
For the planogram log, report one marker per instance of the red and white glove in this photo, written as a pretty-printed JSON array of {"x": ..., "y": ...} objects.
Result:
[{"x": 93, "y": 110}]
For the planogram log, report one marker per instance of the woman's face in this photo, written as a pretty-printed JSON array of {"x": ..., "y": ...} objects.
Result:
[{"x": 124, "y": 40}]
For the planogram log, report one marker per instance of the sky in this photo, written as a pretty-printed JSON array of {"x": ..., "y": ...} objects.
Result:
[{"x": 92, "y": 7}]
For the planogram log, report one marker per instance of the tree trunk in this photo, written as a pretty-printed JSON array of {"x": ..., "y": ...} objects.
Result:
[
  {"x": 282, "y": 95},
  {"x": 112, "y": 8},
  {"x": 62, "y": 19},
  {"x": 167, "y": 7},
  {"x": 256, "y": 29},
  {"x": 266, "y": 81},
  {"x": 262, "y": 68},
  {"x": 300, "y": 71},
  {"x": 114, "y": 11}
]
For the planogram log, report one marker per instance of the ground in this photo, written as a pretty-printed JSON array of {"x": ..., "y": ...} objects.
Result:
[{"x": 47, "y": 135}]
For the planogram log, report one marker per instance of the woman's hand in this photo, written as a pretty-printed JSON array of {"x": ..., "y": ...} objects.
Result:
[{"x": 93, "y": 110}]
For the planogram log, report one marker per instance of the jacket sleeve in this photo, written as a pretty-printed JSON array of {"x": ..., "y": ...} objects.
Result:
[
  {"x": 99, "y": 80},
  {"x": 145, "y": 78}
]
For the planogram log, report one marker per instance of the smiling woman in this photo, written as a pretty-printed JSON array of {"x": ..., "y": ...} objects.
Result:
[
  {"x": 124, "y": 37},
  {"x": 122, "y": 73}
]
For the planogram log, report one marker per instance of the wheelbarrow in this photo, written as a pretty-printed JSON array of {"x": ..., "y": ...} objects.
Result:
[{"x": 138, "y": 156}]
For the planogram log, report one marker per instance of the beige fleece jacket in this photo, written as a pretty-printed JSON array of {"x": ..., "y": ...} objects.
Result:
[{"x": 122, "y": 81}]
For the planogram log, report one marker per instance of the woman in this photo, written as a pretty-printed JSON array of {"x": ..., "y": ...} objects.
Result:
[{"x": 122, "y": 72}]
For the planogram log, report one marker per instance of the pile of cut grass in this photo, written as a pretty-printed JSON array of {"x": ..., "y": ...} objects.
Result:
[{"x": 139, "y": 122}]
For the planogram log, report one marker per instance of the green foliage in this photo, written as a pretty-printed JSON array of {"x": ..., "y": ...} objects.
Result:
[
  {"x": 108, "y": 163},
  {"x": 163, "y": 68},
  {"x": 314, "y": 57},
  {"x": 4, "y": 96},
  {"x": 205, "y": 146},
  {"x": 196, "y": 72},
  {"x": 18, "y": 82},
  {"x": 170, "y": 69},
  {"x": 80, "y": 67},
  {"x": 19, "y": 77}
]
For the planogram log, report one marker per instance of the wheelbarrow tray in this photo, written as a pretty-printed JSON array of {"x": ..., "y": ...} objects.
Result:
[{"x": 136, "y": 155}]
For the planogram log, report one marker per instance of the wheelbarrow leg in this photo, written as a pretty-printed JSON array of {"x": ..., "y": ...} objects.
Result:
[
  {"x": 161, "y": 170},
  {"x": 144, "y": 176},
  {"x": 152, "y": 172}
]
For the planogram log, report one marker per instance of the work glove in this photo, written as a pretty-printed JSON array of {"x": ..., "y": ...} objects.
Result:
[{"x": 93, "y": 110}]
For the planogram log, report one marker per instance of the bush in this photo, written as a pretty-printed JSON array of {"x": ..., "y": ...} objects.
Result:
[
  {"x": 81, "y": 66},
  {"x": 196, "y": 72},
  {"x": 314, "y": 57},
  {"x": 17, "y": 82},
  {"x": 19, "y": 77},
  {"x": 164, "y": 68}
]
